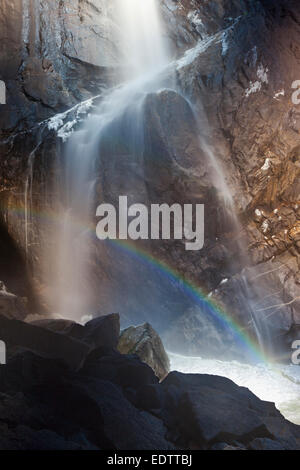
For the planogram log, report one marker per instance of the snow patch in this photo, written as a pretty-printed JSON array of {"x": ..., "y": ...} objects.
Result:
[
  {"x": 265, "y": 226},
  {"x": 262, "y": 75},
  {"x": 253, "y": 88},
  {"x": 225, "y": 44},
  {"x": 65, "y": 129},
  {"x": 194, "y": 18},
  {"x": 278, "y": 94},
  {"x": 202, "y": 45},
  {"x": 266, "y": 165}
]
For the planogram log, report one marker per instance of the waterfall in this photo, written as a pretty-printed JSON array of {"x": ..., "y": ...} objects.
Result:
[
  {"x": 141, "y": 37},
  {"x": 143, "y": 56},
  {"x": 116, "y": 128}
]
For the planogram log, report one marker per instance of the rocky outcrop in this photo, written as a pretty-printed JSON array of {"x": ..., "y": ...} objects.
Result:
[
  {"x": 244, "y": 78},
  {"x": 16, "y": 333},
  {"x": 53, "y": 54},
  {"x": 200, "y": 412},
  {"x": 147, "y": 345},
  {"x": 103, "y": 331},
  {"x": 115, "y": 401}
]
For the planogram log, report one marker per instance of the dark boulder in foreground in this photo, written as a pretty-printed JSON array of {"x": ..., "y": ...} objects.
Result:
[
  {"x": 115, "y": 401},
  {"x": 102, "y": 331},
  {"x": 147, "y": 345},
  {"x": 206, "y": 409},
  {"x": 44, "y": 342}
]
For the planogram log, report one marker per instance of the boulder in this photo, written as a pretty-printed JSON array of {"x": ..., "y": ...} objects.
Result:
[
  {"x": 122, "y": 424},
  {"x": 127, "y": 371},
  {"x": 147, "y": 345},
  {"x": 67, "y": 327},
  {"x": 27, "y": 424},
  {"x": 26, "y": 369},
  {"x": 25, "y": 438},
  {"x": 205, "y": 410},
  {"x": 265, "y": 444},
  {"x": 44, "y": 342},
  {"x": 11, "y": 306},
  {"x": 103, "y": 331},
  {"x": 224, "y": 446}
]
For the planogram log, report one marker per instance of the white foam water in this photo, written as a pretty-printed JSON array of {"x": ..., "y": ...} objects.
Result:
[{"x": 273, "y": 383}]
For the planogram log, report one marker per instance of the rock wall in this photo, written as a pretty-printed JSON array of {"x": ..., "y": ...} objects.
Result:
[{"x": 239, "y": 79}]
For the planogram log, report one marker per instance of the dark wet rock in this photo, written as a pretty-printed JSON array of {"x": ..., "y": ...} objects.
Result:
[
  {"x": 126, "y": 371},
  {"x": 150, "y": 397},
  {"x": 205, "y": 410},
  {"x": 122, "y": 424},
  {"x": 88, "y": 411},
  {"x": 224, "y": 446},
  {"x": 115, "y": 401},
  {"x": 266, "y": 444},
  {"x": 66, "y": 327},
  {"x": 103, "y": 331},
  {"x": 44, "y": 342},
  {"x": 147, "y": 345},
  {"x": 25, "y": 369},
  {"x": 25, "y": 438}
]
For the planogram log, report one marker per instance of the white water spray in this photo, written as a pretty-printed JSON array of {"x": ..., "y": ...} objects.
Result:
[
  {"x": 141, "y": 38},
  {"x": 143, "y": 56}
]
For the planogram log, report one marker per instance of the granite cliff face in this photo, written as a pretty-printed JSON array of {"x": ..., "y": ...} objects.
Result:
[{"x": 236, "y": 62}]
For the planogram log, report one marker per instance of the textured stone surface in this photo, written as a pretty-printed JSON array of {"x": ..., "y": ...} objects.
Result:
[
  {"x": 16, "y": 333},
  {"x": 147, "y": 345}
]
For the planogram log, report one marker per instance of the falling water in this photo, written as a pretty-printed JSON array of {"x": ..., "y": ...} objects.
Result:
[
  {"x": 144, "y": 60},
  {"x": 143, "y": 55}
]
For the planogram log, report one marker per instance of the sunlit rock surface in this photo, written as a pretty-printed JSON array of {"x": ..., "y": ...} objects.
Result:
[{"x": 147, "y": 345}]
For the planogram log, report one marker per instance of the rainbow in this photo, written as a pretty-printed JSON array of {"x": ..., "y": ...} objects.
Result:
[
  {"x": 188, "y": 286},
  {"x": 198, "y": 296}
]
